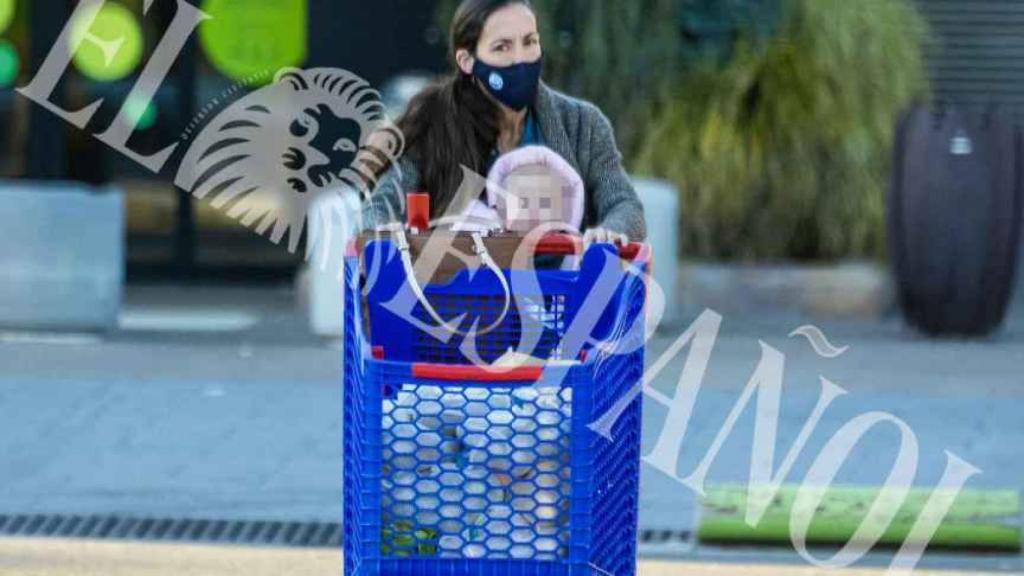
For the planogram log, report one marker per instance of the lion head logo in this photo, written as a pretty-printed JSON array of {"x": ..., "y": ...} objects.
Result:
[{"x": 265, "y": 158}]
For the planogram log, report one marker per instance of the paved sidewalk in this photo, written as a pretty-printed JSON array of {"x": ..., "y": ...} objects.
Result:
[
  {"x": 246, "y": 425},
  {"x": 64, "y": 558}
]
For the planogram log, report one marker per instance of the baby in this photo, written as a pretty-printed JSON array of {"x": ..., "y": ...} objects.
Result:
[{"x": 528, "y": 188}]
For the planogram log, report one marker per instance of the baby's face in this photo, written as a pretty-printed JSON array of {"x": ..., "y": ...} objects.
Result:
[{"x": 535, "y": 197}]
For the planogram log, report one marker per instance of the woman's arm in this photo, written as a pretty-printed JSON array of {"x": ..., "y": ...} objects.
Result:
[
  {"x": 386, "y": 204},
  {"x": 617, "y": 206}
]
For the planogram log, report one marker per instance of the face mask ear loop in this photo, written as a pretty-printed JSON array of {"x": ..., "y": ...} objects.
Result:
[{"x": 406, "y": 256}]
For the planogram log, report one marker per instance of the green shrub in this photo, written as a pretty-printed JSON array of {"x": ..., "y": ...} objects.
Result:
[
  {"x": 710, "y": 27},
  {"x": 783, "y": 151}
]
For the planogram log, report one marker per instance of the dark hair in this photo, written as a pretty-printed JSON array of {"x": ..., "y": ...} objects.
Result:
[{"x": 453, "y": 123}]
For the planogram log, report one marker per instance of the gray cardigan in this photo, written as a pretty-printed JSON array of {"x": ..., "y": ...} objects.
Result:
[{"x": 577, "y": 131}]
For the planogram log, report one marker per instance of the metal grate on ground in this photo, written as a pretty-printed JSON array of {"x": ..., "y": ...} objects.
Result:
[
  {"x": 255, "y": 533},
  {"x": 236, "y": 532}
]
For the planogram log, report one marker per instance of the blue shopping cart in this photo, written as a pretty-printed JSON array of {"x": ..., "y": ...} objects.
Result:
[{"x": 453, "y": 466}]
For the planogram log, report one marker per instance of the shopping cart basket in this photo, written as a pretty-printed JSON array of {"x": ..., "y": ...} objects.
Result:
[{"x": 460, "y": 468}]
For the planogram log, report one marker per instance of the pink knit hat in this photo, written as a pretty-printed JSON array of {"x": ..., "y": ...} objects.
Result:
[{"x": 570, "y": 203}]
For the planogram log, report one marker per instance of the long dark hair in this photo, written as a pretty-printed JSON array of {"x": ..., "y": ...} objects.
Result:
[{"x": 453, "y": 123}]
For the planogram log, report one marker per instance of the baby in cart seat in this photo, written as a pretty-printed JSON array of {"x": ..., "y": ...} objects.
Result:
[{"x": 528, "y": 188}]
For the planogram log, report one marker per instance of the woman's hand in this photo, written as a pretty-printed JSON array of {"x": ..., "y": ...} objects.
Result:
[{"x": 604, "y": 236}]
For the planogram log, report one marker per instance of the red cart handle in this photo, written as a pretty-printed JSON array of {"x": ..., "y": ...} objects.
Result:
[
  {"x": 560, "y": 244},
  {"x": 569, "y": 245},
  {"x": 556, "y": 244}
]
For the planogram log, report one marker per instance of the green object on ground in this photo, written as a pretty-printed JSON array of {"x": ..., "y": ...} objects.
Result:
[
  {"x": 9, "y": 64},
  {"x": 245, "y": 39},
  {"x": 111, "y": 47},
  {"x": 985, "y": 519}
]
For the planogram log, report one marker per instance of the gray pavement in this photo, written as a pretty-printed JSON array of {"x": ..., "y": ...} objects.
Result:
[{"x": 245, "y": 423}]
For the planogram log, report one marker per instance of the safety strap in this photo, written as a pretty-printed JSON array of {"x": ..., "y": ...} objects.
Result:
[{"x": 485, "y": 258}]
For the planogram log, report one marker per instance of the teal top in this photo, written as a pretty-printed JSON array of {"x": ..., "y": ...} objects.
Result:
[
  {"x": 531, "y": 136},
  {"x": 531, "y": 131}
]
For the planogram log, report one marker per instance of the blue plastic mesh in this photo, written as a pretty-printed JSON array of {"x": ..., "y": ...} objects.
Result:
[
  {"x": 617, "y": 469},
  {"x": 546, "y": 327},
  {"x": 353, "y": 439},
  {"x": 477, "y": 472}
]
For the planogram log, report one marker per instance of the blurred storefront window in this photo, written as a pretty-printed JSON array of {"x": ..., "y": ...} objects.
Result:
[{"x": 169, "y": 233}]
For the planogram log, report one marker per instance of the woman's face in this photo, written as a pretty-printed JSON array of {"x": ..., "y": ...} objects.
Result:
[{"x": 509, "y": 37}]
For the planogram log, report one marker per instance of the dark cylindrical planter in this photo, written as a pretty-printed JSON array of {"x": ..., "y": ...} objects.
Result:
[{"x": 954, "y": 218}]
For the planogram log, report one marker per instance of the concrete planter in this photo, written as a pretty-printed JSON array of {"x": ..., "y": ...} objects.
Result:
[
  {"x": 661, "y": 210},
  {"x": 322, "y": 279},
  {"x": 62, "y": 256},
  {"x": 846, "y": 289}
]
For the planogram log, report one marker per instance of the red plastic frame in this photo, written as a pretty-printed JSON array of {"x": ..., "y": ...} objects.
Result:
[
  {"x": 568, "y": 244},
  {"x": 453, "y": 372}
]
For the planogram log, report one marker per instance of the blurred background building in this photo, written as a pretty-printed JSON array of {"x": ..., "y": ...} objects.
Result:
[
  {"x": 719, "y": 97},
  {"x": 169, "y": 234}
]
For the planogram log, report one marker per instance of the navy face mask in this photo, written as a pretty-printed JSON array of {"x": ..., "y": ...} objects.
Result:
[{"x": 514, "y": 86}]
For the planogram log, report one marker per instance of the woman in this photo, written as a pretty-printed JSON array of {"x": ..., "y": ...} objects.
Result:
[{"x": 495, "y": 102}]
